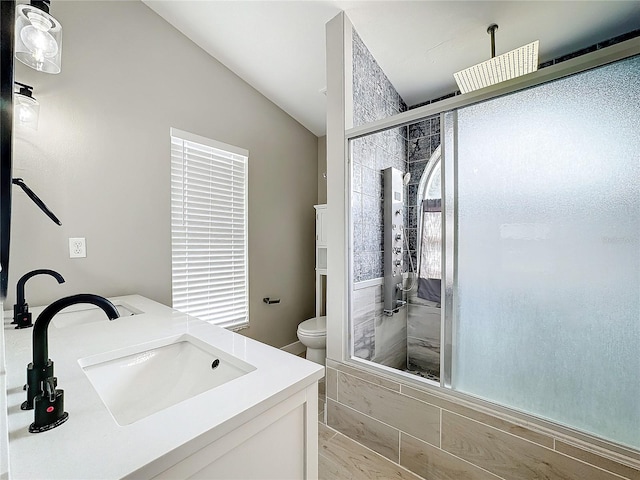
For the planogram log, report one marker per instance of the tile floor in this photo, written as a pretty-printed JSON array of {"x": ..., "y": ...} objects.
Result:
[{"x": 340, "y": 458}]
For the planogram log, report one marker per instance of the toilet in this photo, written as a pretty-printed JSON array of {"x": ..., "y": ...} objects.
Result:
[{"x": 312, "y": 334}]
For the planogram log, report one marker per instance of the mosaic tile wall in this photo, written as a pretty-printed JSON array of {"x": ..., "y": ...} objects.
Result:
[
  {"x": 424, "y": 139},
  {"x": 370, "y": 155},
  {"x": 376, "y": 337},
  {"x": 374, "y": 98}
]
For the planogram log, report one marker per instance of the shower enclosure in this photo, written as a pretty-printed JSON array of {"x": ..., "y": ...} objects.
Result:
[
  {"x": 405, "y": 335},
  {"x": 522, "y": 255}
]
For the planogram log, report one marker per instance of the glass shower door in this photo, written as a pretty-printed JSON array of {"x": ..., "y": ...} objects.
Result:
[{"x": 546, "y": 295}]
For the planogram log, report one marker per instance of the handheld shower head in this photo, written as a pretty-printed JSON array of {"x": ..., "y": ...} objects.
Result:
[{"x": 406, "y": 178}]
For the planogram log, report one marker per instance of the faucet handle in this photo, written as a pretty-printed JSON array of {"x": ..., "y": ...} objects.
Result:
[
  {"x": 50, "y": 385},
  {"x": 36, "y": 378}
]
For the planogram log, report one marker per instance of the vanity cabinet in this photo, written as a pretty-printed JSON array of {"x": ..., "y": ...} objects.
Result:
[{"x": 279, "y": 444}]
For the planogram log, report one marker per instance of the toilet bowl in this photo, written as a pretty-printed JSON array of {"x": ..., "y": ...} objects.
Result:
[{"x": 312, "y": 333}]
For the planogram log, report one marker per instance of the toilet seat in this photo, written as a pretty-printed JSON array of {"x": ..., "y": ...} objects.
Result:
[{"x": 314, "y": 327}]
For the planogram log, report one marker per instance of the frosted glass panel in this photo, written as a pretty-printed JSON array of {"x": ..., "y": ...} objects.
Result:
[{"x": 547, "y": 301}]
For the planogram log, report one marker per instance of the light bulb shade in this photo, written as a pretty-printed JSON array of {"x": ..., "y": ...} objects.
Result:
[
  {"x": 38, "y": 39},
  {"x": 26, "y": 111}
]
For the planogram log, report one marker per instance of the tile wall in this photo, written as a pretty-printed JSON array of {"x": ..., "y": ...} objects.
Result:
[
  {"x": 439, "y": 437},
  {"x": 374, "y": 98},
  {"x": 369, "y": 156},
  {"x": 423, "y": 321},
  {"x": 423, "y": 140},
  {"x": 423, "y": 339},
  {"x": 376, "y": 337},
  {"x": 367, "y": 307}
]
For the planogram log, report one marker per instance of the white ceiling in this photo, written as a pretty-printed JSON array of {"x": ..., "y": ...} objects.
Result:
[{"x": 278, "y": 47}]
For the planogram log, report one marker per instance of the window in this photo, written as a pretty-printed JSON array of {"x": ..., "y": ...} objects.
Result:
[{"x": 209, "y": 229}]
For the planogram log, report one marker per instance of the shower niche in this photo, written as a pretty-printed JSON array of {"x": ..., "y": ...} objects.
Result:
[{"x": 395, "y": 190}]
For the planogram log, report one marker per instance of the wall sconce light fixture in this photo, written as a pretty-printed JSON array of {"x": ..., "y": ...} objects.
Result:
[
  {"x": 26, "y": 108},
  {"x": 38, "y": 37}
]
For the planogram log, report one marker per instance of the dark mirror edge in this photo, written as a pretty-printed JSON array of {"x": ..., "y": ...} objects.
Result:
[{"x": 7, "y": 19}]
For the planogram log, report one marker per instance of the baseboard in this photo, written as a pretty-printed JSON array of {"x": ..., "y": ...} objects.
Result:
[{"x": 296, "y": 348}]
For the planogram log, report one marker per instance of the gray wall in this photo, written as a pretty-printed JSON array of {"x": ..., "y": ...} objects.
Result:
[{"x": 100, "y": 160}]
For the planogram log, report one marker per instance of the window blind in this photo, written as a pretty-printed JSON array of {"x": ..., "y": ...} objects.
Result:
[{"x": 209, "y": 229}]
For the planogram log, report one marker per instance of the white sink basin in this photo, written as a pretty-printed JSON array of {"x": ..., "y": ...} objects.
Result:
[
  {"x": 141, "y": 380},
  {"x": 71, "y": 317}
]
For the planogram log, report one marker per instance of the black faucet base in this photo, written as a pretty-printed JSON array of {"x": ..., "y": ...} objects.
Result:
[
  {"x": 57, "y": 423},
  {"x": 22, "y": 319},
  {"x": 49, "y": 410}
]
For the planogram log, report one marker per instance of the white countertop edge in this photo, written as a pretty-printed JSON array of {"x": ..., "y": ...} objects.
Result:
[{"x": 4, "y": 428}]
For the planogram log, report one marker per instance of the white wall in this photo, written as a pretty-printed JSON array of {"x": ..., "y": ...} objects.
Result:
[
  {"x": 100, "y": 160},
  {"x": 322, "y": 169},
  {"x": 339, "y": 119}
]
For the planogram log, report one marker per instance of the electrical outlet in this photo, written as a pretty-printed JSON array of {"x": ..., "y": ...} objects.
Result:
[{"x": 77, "y": 248}]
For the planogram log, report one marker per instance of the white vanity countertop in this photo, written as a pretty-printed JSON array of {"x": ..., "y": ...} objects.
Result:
[{"x": 90, "y": 444}]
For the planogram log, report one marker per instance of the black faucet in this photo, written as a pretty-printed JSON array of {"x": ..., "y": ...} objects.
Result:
[
  {"x": 42, "y": 394},
  {"x": 21, "y": 314}
]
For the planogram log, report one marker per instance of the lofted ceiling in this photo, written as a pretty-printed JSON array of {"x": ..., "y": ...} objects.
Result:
[{"x": 278, "y": 47}]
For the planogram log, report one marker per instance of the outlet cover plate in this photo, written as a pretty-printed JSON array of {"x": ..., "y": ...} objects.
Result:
[{"x": 77, "y": 248}]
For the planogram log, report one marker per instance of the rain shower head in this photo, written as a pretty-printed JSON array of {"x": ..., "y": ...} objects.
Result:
[{"x": 510, "y": 65}]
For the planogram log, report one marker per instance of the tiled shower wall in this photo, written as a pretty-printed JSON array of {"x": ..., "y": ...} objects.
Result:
[
  {"x": 382, "y": 339},
  {"x": 374, "y": 98},
  {"x": 370, "y": 155},
  {"x": 376, "y": 337},
  {"x": 424, "y": 139},
  {"x": 423, "y": 320}
]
